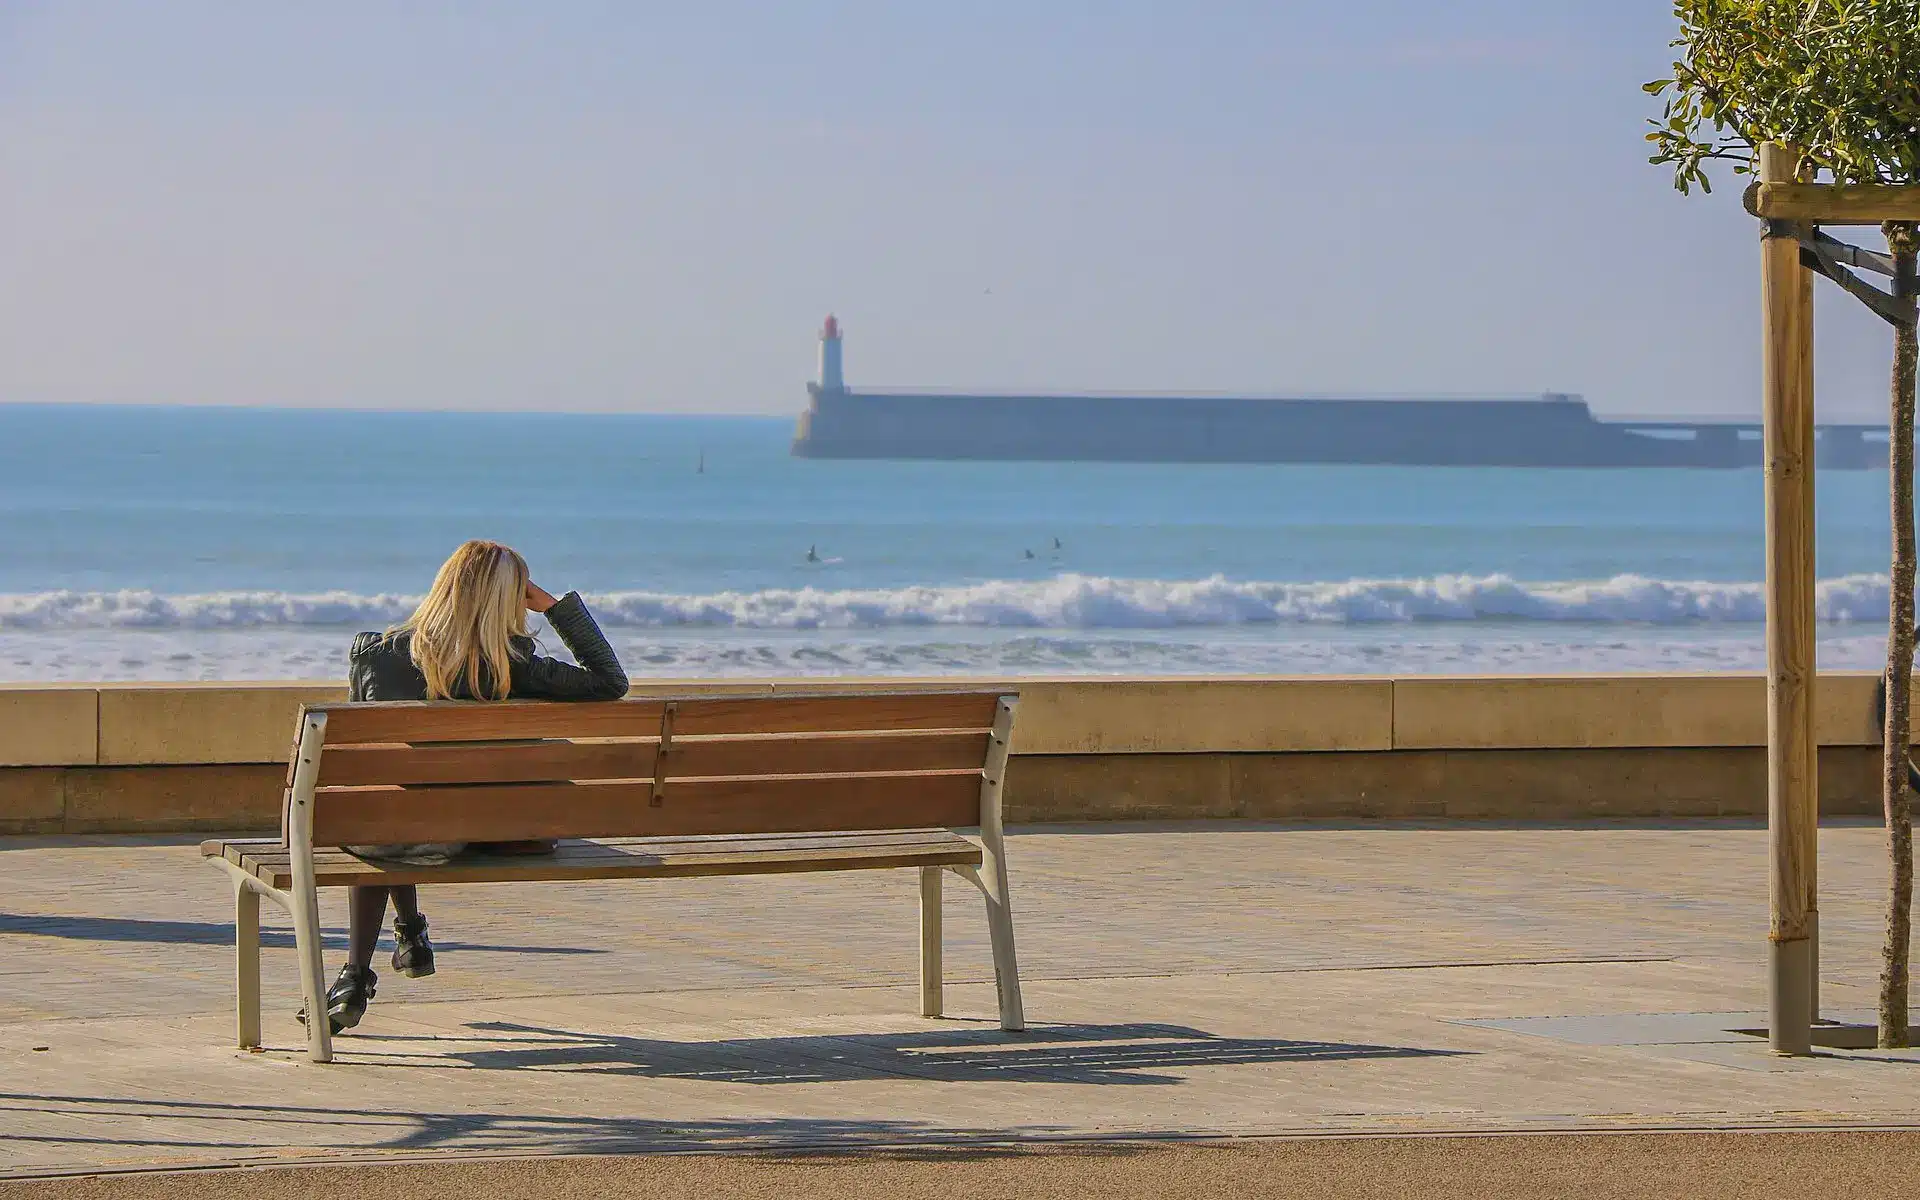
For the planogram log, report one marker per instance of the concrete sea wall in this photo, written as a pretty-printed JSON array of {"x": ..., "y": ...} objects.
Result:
[{"x": 126, "y": 758}]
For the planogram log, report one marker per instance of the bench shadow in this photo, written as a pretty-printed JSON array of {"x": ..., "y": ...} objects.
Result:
[
  {"x": 209, "y": 933},
  {"x": 1121, "y": 1054}
]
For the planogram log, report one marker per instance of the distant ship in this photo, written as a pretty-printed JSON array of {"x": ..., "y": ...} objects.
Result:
[{"x": 1548, "y": 430}]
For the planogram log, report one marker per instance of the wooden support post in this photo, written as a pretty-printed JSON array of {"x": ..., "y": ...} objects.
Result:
[{"x": 1792, "y": 795}]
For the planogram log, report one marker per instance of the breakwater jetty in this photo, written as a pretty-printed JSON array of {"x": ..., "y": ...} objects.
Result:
[{"x": 1547, "y": 430}]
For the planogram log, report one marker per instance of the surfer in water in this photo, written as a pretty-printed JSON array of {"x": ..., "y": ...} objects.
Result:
[{"x": 813, "y": 554}]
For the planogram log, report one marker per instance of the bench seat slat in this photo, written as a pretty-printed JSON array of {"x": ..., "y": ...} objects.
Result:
[
  {"x": 260, "y": 847},
  {"x": 794, "y": 804},
  {"x": 573, "y": 853},
  {"x": 267, "y": 847},
  {"x": 625, "y": 858}
]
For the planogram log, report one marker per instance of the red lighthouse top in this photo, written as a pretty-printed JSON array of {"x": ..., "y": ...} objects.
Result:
[{"x": 831, "y": 329}]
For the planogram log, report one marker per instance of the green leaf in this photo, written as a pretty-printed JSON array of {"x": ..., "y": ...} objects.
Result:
[{"x": 1836, "y": 78}]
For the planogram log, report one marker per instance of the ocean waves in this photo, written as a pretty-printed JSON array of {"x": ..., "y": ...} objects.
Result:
[{"x": 1075, "y": 602}]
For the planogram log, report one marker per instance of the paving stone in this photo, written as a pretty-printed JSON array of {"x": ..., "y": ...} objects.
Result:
[{"x": 1216, "y": 978}]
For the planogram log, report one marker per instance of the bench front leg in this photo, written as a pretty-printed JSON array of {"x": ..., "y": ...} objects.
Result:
[
  {"x": 931, "y": 1002},
  {"x": 1006, "y": 967},
  {"x": 992, "y": 876},
  {"x": 304, "y": 894},
  {"x": 313, "y": 979},
  {"x": 246, "y": 965}
]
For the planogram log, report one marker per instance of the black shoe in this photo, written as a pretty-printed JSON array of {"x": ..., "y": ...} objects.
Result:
[
  {"x": 347, "y": 999},
  {"x": 412, "y": 952}
]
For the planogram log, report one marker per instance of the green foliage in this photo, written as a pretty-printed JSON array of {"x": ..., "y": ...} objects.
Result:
[{"x": 1838, "y": 78}]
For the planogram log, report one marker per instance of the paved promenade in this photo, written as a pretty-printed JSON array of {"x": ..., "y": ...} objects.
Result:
[{"x": 1215, "y": 979}]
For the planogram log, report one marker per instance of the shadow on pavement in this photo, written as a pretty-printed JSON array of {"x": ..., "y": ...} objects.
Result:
[
  {"x": 1098, "y": 1054},
  {"x": 180, "y": 1129},
  {"x": 209, "y": 933}
]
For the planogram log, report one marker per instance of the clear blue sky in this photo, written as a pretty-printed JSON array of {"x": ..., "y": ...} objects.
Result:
[{"x": 650, "y": 206}]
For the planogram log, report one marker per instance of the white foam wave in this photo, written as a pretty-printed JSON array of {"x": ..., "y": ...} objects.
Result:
[
  {"x": 213, "y": 610},
  {"x": 1064, "y": 602}
]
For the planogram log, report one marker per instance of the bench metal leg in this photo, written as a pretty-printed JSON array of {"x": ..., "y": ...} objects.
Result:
[
  {"x": 1006, "y": 970},
  {"x": 304, "y": 894},
  {"x": 246, "y": 965},
  {"x": 313, "y": 985},
  {"x": 930, "y": 942},
  {"x": 992, "y": 876}
]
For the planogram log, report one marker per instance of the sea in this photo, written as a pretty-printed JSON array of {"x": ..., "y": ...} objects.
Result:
[{"x": 154, "y": 543}]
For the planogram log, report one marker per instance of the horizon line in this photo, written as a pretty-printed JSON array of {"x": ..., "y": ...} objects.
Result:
[
  {"x": 1871, "y": 420},
  {"x": 209, "y": 405}
]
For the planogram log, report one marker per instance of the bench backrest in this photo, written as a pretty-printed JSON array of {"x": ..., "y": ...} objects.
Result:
[{"x": 468, "y": 772}]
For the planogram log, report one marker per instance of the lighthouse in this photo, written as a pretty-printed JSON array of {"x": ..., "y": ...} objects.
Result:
[{"x": 831, "y": 380}]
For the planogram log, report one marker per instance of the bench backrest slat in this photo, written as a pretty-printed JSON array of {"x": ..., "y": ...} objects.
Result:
[
  {"x": 829, "y": 754},
  {"x": 454, "y": 721},
  {"x": 831, "y": 714},
  {"x": 519, "y": 762},
  {"x": 451, "y": 721},
  {"x": 506, "y": 812},
  {"x": 411, "y": 772}
]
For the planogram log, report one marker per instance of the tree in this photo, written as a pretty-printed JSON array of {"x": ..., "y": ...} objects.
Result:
[{"x": 1839, "y": 81}]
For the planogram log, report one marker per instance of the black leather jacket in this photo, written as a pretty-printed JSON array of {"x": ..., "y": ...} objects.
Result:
[{"x": 381, "y": 668}]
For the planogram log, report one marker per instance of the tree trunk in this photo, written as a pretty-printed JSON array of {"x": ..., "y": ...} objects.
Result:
[{"x": 1895, "y": 796}]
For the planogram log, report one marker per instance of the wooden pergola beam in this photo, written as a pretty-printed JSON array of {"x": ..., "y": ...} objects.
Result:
[{"x": 1833, "y": 204}]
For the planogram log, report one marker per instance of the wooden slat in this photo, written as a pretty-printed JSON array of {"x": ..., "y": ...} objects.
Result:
[
  {"x": 456, "y": 721},
  {"x": 841, "y": 754},
  {"x": 506, "y": 812},
  {"x": 473, "y": 721},
  {"x": 731, "y": 844},
  {"x": 824, "y": 714},
  {"x": 642, "y": 859},
  {"x": 352, "y": 766},
  {"x": 363, "y": 765},
  {"x": 1826, "y": 204},
  {"x": 272, "y": 849},
  {"x": 631, "y": 851}
]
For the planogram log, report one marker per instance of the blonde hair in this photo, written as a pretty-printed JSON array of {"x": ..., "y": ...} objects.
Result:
[{"x": 461, "y": 632}]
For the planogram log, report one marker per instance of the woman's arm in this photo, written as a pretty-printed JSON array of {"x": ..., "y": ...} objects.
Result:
[{"x": 599, "y": 675}]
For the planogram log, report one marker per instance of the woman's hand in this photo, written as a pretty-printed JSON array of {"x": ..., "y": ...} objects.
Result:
[{"x": 538, "y": 600}]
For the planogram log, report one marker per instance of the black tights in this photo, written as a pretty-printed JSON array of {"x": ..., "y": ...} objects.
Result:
[{"x": 367, "y": 912}]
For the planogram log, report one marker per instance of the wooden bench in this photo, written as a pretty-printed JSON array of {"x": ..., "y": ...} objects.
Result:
[{"x": 663, "y": 787}]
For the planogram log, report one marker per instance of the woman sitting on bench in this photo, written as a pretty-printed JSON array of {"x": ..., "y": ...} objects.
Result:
[{"x": 467, "y": 641}]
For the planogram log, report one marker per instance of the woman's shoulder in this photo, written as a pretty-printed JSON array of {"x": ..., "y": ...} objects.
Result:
[
  {"x": 380, "y": 667},
  {"x": 370, "y": 644}
]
